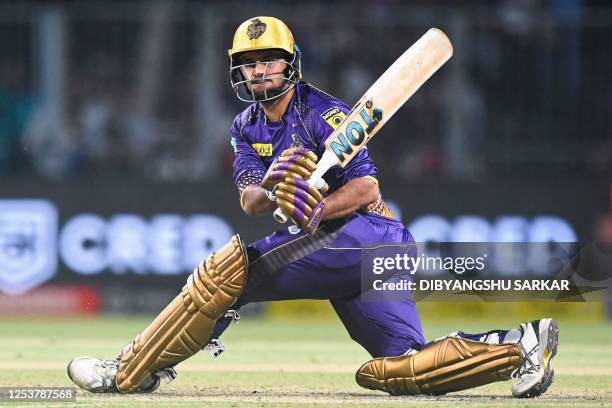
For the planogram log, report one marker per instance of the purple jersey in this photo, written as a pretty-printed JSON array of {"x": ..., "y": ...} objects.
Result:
[
  {"x": 328, "y": 263},
  {"x": 311, "y": 116}
]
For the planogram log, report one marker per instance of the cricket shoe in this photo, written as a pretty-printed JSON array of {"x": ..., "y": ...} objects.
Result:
[
  {"x": 538, "y": 343},
  {"x": 99, "y": 376}
]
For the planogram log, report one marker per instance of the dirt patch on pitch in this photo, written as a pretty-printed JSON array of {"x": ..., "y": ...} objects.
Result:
[{"x": 325, "y": 398}]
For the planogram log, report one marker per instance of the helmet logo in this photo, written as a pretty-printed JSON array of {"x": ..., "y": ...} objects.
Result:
[{"x": 256, "y": 29}]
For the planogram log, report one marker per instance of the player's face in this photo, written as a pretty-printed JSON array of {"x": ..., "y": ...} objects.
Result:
[{"x": 265, "y": 69}]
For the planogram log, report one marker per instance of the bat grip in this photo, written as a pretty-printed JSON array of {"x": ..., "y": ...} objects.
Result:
[{"x": 280, "y": 216}]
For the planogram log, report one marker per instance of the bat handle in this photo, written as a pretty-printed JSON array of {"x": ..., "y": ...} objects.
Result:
[{"x": 280, "y": 216}]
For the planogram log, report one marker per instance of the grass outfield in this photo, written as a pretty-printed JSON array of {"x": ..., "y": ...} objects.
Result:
[{"x": 284, "y": 364}]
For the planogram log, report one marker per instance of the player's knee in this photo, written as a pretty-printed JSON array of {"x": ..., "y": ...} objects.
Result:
[
  {"x": 389, "y": 346},
  {"x": 218, "y": 281},
  {"x": 395, "y": 348}
]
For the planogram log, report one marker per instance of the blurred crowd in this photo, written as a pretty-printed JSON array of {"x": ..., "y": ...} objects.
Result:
[{"x": 529, "y": 90}]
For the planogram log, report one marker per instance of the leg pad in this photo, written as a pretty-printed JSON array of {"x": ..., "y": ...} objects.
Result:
[
  {"x": 185, "y": 325},
  {"x": 451, "y": 364}
]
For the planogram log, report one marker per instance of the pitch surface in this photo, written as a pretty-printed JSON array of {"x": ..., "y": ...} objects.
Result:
[{"x": 284, "y": 364}]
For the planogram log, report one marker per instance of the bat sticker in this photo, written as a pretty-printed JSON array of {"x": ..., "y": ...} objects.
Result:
[{"x": 355, "y": 133}]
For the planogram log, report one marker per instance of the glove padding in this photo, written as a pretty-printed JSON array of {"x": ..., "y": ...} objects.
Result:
[
  {"x": 300, "y": 201},
  {"x": 297, "y": 162}
]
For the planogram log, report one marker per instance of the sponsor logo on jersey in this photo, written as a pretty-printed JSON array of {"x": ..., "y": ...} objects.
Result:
[
  {"x": 334, "y": 117},
  {"x": 263, "y": 149}
]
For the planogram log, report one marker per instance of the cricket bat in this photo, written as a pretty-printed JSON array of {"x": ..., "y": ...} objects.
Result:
[{"x": 398, "y": 83}]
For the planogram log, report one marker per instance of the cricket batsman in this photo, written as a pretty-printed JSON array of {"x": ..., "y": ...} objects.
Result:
[{"x": 277, "y": 141}]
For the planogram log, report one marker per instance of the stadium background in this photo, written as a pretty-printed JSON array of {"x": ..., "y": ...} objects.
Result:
[{"x": 116, "y": 115}]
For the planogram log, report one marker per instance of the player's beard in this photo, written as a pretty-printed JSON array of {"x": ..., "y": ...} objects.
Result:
[{"x": 262, "y": 93}]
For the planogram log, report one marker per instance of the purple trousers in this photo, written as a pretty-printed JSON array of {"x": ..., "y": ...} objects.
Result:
[{"x": 328, "y": 265}]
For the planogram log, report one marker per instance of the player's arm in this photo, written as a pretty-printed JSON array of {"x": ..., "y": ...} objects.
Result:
[
  {"x": 293, "y": 162},
  {"x": 352, "y": 196},
  {"x": 307, "y": 206},
  {"x": 249, "y": 171},
  {"x": 254, "y": 201}
]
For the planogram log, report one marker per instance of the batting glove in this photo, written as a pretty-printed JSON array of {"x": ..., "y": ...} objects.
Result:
[{"x": 300, "y": 201}]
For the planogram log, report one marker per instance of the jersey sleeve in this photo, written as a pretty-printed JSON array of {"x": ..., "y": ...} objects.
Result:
[
  {"x": 361, "y": 165},
  {"x": 248, "y": 166}
]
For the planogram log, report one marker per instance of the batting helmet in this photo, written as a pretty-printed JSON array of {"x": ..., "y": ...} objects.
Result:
[{"x": 263, "y": 33}]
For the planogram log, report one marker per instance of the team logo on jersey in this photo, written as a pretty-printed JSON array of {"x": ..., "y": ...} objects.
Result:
[
  {"x": 263, "y": 149},
  {"x": 256, "y": 29},
  {"x": 334, "y": 117},
  {"x": 296, "y": 142}
]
